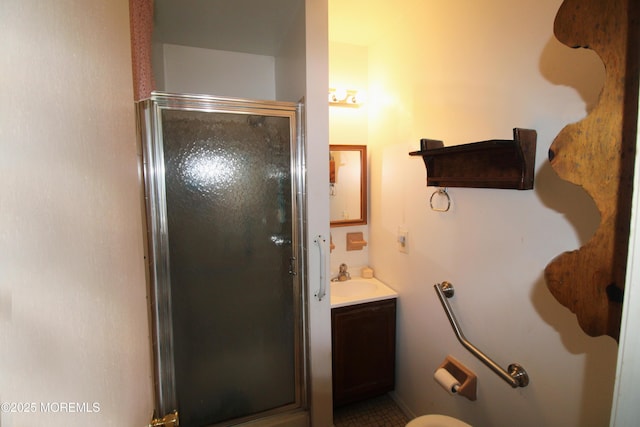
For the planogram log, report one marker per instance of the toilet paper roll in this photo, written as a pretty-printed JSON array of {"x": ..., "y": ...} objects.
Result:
[{"x": 446, "y": 380}]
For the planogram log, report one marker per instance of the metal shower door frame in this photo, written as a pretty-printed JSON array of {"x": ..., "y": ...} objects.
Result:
[{"x": 149, "y": 114}]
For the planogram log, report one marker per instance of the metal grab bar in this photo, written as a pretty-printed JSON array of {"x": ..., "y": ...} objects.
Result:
[
  {"x": 322, "y": 292},
  {"x": 516, "y": 376}
]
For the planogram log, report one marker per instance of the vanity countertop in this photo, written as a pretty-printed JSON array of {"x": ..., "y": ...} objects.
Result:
[{"x": 359, "y": 290}]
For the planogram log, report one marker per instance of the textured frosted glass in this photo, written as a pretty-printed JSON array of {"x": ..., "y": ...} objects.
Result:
[{"x": 228, "y": 184}]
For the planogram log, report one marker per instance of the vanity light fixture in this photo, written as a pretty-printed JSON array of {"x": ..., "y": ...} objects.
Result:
[{"x": 345, "y": 97}]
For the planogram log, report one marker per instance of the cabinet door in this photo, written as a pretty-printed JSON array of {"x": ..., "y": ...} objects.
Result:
[{"x": 363, "y": 350}]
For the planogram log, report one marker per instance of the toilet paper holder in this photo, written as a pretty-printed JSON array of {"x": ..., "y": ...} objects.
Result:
[
  {"x": 516, "y": 376},
  {"x": 467, "y": 379}
]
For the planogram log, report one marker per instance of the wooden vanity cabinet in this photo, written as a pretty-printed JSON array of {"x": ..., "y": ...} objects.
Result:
[{"x": 363, "y": 339}]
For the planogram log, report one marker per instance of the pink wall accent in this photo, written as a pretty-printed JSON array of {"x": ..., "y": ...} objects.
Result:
[{"x": 141, "y": 21}]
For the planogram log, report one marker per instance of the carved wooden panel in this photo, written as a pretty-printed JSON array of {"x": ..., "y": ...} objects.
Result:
[{"x": 597, "y": 153}]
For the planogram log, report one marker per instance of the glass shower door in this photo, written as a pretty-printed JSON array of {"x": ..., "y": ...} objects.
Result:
[{"x": 223, "y": 178}]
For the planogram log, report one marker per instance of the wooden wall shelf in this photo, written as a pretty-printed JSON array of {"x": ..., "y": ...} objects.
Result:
[{"x": 496, "y": 163}]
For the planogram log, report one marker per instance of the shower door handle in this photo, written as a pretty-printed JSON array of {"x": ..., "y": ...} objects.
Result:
[{"x": 322, "y": 289}]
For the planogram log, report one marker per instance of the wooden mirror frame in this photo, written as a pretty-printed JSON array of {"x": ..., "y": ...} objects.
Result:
[{"x": 362, "y": 220}]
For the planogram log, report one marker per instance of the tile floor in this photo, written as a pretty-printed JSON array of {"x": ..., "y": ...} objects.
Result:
[{"x": 380, "y": 411}]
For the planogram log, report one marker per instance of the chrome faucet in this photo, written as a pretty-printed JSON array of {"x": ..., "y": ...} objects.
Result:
[{"x": 343, "y": 274}]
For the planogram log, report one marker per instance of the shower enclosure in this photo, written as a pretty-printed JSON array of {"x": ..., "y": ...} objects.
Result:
[{"x": 224, "y": 194}]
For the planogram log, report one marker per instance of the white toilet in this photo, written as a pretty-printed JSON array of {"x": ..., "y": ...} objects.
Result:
[{"x": 437, "y": 421}]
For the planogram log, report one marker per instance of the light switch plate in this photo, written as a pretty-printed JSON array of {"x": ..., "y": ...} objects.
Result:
[{"x": 403, "y": 240}]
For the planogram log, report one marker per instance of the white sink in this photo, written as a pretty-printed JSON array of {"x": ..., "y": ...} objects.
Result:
[
  {"x": 359, "y": 290},
  {"x": 352, "y": 288}
]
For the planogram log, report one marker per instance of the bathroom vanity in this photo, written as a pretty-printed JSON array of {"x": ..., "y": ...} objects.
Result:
[{"x": 363, "y": 339}]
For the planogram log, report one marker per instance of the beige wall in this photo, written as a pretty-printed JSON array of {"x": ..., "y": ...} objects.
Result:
[
  {"x": 218, "y": 72},
  {"x": 316, "y": 155},
  {"x": 462, "y": 72},
  {"x": 73, "y": 309},
  {"x": 348, "y": 69}
]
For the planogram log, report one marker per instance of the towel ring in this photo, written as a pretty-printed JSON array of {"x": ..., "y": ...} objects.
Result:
[{"x": 440, "y": 192}]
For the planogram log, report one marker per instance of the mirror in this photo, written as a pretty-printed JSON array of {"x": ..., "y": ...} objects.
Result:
[{"x": 348, "y": 185}]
